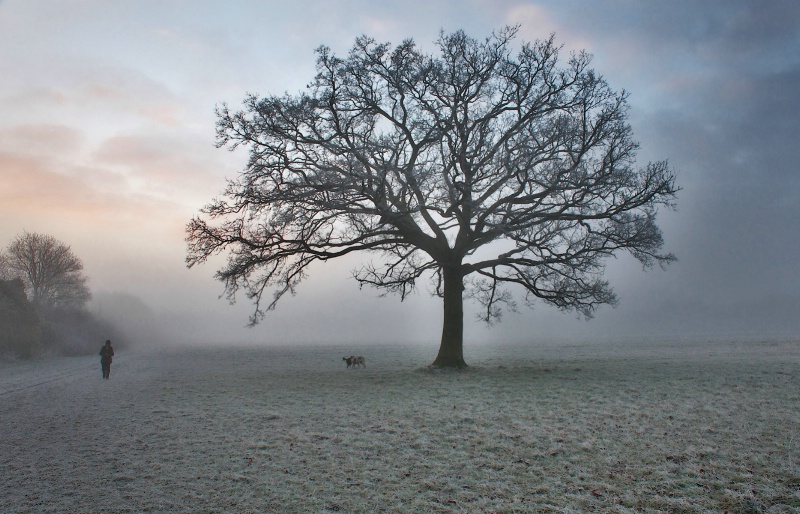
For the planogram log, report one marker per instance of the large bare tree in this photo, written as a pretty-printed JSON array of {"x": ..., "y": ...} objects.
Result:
[
  {"x": 481, "y": 167},
  {"x": 52, "y": 274}
]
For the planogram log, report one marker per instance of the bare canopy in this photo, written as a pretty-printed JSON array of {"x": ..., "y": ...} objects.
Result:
[
  {"x": 52, "y": 274},
  {"x": 479, "y": 168}
]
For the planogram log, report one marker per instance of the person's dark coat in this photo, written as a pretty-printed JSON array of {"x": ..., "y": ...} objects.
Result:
[{"x": 106, "y": 352}]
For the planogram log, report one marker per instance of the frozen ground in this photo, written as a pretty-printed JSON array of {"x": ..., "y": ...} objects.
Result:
[{"x": 633, "y": 427}]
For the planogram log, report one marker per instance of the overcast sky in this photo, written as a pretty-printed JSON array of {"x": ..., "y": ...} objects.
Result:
[{"x": 107, "y": 143}]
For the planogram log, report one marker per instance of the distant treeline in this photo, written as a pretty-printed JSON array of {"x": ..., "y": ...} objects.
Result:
[
  {"x": 28, "y": 332},
  {"x": 21, "y": 332},
  {"x": 43, "y": 297}
]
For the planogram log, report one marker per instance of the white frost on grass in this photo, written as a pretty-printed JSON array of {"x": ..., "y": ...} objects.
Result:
[{"x": 691, "y": 427}]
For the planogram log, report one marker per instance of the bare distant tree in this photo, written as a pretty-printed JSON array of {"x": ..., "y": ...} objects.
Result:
[
  {"x": 5, "y": 271},
  {"x": 475, "y": 167},
  {"x": 51, "y": 272}
]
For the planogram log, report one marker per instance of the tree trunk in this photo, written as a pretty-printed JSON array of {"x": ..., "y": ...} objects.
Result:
[{"x": 451, "y": 350}]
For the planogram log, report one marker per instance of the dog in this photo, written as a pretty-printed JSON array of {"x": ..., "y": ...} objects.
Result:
[{"x": 355, "y": 362}]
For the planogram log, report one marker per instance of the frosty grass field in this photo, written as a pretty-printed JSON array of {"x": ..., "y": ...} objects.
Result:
[{"x": 624, "y": 427}]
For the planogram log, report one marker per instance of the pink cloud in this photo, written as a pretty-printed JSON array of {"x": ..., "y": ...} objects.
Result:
[
  {"x": 93, "y": 210},
  {"x": 27, "y": 181},
  {"x": 183, "y": 170},
  {"x": 44, "y": 139},
  {"x": 168, "y": 116},
  {"x": 135, "y": 96}
]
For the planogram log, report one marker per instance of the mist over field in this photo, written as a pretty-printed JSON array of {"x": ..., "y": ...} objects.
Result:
[{"x": 701, "y": 426}]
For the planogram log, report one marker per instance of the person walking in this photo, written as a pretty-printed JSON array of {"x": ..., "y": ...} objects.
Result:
[{"x": 106, "y": 352}]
